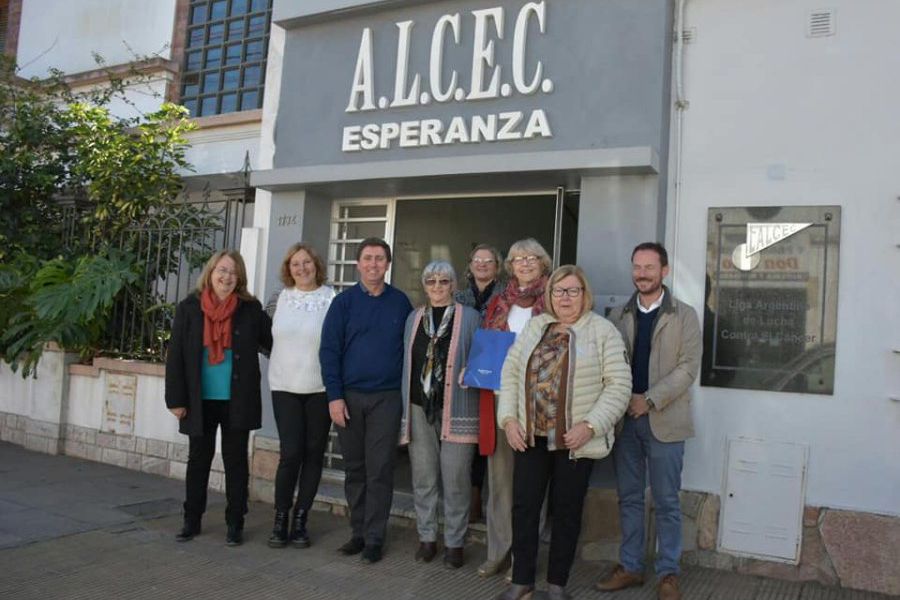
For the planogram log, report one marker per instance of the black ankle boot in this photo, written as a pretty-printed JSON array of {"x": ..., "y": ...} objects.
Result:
[
  {"x": 189, "y": 529},
  {"x": 299, "y": 537},
  {"x": 279, "y": 537},
  {"x": 234, "y": 536}
]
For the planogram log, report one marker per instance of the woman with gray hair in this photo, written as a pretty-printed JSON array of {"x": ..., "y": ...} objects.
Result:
[
  {"x": 440, "y": 418},
  {"x": 528, "y": 265}
]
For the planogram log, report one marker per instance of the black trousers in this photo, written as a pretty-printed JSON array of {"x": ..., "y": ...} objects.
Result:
[
  {"x": 568, "y": 479},
  {"x": 368, "y": 445},
  {"x": 479, "y": 469},
  {"x": 303, "y": 425},
  {"x": 202, "y": 449}
]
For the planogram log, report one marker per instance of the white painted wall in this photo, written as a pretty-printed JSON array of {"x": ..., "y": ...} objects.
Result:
[
  {"x": 151, "y": 418},
  {"x": 262, "y": 208},
  {"x": 140, "y": 98},
  {"x": 222, "y": 149},
  {"x": 40, "y": 397},
  {"x": 62, "y": 34},
  {"x": 85, "y": 403},
  {"x": 823, "y": 111}
]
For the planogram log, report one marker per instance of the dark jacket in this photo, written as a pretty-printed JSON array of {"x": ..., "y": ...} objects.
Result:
[
  {"x": 251, "y": 333},
  {"x": 466, "y": 295}
]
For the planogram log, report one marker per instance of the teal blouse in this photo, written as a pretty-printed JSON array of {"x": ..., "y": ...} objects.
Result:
[{"x": 215, "y": 380}]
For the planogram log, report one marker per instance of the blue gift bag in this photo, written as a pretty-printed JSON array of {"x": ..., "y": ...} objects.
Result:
[{"x": 486, "y": 356}]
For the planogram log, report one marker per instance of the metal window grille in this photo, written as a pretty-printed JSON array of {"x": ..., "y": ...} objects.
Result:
[
  {"x": 351, "y": 223},
  {"x": 225, "y": 56},
  {"x": 172, "y": 248}
]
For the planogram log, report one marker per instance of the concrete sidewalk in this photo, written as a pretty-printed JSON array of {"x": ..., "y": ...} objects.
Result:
[{"x": 70, "y": 528}]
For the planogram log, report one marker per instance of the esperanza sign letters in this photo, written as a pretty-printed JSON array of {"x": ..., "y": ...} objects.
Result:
[{"x": 486, "y": 82}]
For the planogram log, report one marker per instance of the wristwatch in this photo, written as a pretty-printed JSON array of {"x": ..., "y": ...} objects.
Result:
[
  {"x": 649, "y": 402},
  {"x": 591, "y": 427}
]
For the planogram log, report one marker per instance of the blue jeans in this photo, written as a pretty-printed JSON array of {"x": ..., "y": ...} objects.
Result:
[{"x": 635, "y": 450}]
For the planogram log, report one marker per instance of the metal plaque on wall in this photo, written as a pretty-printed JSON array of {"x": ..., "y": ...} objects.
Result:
[
  {"x": 770, "y": 319},
  {"x": 121, "y": 392}
]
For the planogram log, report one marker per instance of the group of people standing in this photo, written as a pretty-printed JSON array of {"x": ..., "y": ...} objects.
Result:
[{"x": 575, "y": 388}]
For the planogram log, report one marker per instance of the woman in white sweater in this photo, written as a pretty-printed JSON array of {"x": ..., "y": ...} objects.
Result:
[
  {"x": 565, "y": 384},
  {"x": 298, "y": 394}
]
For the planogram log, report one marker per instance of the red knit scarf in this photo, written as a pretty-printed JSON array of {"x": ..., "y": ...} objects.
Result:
[
  {"x": 530, "y": 297},
  {"x": 496, "y": 318},
  {"x": 217, "y": 323}
]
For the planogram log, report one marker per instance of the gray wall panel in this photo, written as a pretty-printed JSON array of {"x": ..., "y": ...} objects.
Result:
[{"x": 616, "y": 214}]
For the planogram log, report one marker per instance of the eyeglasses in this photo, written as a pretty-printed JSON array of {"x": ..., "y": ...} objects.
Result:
[
  {"x": 434, "y": 282},
  {"x": 224, "y": 271},
  {"x": 572, "y": 292},
  {"x": 519, "y": 260},
  {"x": 482, "y": 261}
]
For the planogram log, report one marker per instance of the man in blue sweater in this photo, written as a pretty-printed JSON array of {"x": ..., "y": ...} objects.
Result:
[
  {"x": 361, "y": 354},
  {"x": 662, "y": 335}
]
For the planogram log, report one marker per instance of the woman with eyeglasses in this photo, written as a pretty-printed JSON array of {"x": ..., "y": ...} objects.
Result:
[
  {"x": 440, "y": 418},
  {"x": 565, "y": 384},
  {"x": 212, "y": 382},
  {"x": 527, "y": 264},
  {"x": 298, "y": 393},
  {"x": 482, "y": 275}
]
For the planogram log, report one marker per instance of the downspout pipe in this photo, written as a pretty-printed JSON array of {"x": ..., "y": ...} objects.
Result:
[{"x": 681, "y": 105}]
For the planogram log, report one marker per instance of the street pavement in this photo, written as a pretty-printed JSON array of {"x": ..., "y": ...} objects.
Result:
[{"x": 75, "y": 529}]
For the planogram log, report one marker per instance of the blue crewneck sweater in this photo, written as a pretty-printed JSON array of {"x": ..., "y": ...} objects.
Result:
[
  {"x": 640, "y": 356},
  {"x": 362, "y": 341}
]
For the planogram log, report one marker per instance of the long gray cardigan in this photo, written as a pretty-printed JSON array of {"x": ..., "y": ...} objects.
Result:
[{"x": 459, "y": 420}]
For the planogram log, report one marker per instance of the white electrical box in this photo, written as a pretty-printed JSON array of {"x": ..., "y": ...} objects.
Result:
[{"x": 762, "y": 507}]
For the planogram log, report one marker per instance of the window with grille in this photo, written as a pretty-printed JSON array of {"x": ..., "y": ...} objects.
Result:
[{"x": 225, "y": 56}]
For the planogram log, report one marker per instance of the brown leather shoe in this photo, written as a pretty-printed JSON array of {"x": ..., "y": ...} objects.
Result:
[
  {"x": 453, "y": 558},
  {"x": 668, "y": 588},
  {"x": 426, "y": 551},
  {"x": 619, "y": 579}
]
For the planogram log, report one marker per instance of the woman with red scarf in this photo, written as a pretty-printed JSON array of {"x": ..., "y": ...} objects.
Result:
[
  {"x": 528, "y": 265},
  {"x": 212, "y": 381}
]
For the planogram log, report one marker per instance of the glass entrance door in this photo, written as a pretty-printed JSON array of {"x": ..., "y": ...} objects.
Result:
[
  {"x": 424, "y": 229},
  {"x": 448, "y": 228}
]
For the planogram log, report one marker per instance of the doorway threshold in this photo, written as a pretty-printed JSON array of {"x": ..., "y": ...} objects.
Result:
[{"x": 330, "y": 497}]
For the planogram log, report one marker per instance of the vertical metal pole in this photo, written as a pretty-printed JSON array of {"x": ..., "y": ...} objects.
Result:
[{"x": 557, "y": 225}]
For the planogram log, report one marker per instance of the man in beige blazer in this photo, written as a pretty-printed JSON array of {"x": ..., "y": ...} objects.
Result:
[{"x": 663, "y": 342}]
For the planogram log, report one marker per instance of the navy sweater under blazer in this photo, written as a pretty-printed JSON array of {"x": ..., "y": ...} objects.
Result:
[
  {"x": 640, "y": 356},
  {"x": 251, "y": 333},
  {"x": 362, "y": 341}
]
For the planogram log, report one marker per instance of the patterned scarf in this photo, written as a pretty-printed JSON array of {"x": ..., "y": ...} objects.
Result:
[
  {"x": 217, "y": 323},
  {"x": 432, "y": 377},
  {"x": 545, "y": 388},
  {"x": 530, "y": 297}
]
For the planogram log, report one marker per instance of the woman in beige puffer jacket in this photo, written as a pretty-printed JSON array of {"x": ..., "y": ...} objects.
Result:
[{"x": 565, "y": 383}]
